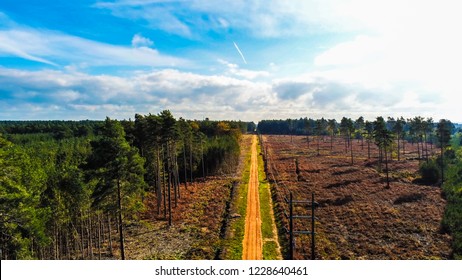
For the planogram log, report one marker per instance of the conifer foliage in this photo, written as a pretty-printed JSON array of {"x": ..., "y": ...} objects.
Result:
[{"x": 72, "y": 190}]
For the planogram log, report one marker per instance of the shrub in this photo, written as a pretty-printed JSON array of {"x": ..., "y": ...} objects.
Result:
[{"x": 430, "y": 172}]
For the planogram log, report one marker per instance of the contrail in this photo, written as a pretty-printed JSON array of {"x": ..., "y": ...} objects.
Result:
[{"x": 239, "y": 51}]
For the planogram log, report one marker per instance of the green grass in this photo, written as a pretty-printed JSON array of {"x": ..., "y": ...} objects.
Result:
[
  {"x": 237, "y": 226},
  {"x": 270, "y": 248}
]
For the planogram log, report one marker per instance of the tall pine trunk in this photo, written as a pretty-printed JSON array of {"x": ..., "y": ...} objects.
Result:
[
  {"x": 99, "y": 236},
  {"x": 369, "y": 149},
  {"x": 190, "y": 160},
  {"x": 169, "y": 198},
  {"x": 351, "y": 150},
  {"x": 184, "y": 165},
  {"x": 158, "y": 181},
  {"x": 332, "y": 142},
  {"x": 82, "y": 236},
  {"x": 121, "y": 228},
  {"x": 203, "y": 163},
  {"x": 386, "y": 167},
  {"x": 90, "y": 236},
  {"x": 418, "y": 149},
  {"x": 426, "y": 147},
  {"x": 110, "y": 233}
]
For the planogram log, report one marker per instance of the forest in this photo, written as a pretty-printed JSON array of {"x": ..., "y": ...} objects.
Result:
[
  {"x": 80, "y": 189},
  {"x": 67, "y": 187}
]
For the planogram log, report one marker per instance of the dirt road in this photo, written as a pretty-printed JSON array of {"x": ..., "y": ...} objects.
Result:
[{"x": 252, "y": 244}]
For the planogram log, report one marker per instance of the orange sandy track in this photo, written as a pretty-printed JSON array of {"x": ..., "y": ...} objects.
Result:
[{"x": 252, "y": 244}]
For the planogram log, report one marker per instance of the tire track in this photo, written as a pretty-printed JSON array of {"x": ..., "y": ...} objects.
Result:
[{"x": 252, "y": 244}]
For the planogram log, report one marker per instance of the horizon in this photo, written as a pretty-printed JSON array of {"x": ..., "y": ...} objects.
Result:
[
  {"x": 95, "y": 58},
  {"x": 435, "y": 121}
]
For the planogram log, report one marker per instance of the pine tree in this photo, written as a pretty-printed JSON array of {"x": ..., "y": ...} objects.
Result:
[
  {"x": 118, "y": 171},
  {"x": 383, "y": 139},
  {"x": 443, "y": 132},
  {"x": 22, "y": 218}
]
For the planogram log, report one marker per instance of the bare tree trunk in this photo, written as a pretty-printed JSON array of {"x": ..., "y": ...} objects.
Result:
[
  {"x": 177, "y": 180},
  {"x": 380, "y": 159},
  {"x": 110, "y": 234},
  {"x": 164, "y": 187},
  {"x": 203, "y": 163},
  {"x": 99, "y": 236},
  {"x": 82, "y": 235},
  {"x": 172, "y": 173},
  {"x": 184, "y": 165},
  {"x": 90, "y": 237},
  {"x": 368, "y": 149},
  {"x": 169, "y": 197},
  {"x": 418, "y": 149},
  {"x": 190, "y": 160},
  {"x": 422, "y": 147},
  {"x": 346, "y": 145},
  {"x": 431, "y": 145},
  {"x": 351, "y": 150},
  {"x": 158, "y": 183},
  {"x": 68, "y": 243},
  {"x": 318, "y": 144},
  {"x": 332, "y": 142},
  {"x": 121, "y": 228},
  {"x": 442, "y": 163},
  {"x": 426, "y": 147},
  {"x": 404, "y": 147},
  {"x": 56, "y": 242},
  {"x": 386, "y": 167},
  {"x": 103, "y": 228}
]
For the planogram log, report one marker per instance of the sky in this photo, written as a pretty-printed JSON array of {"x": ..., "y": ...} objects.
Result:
[{"x": 234, "y": 60}]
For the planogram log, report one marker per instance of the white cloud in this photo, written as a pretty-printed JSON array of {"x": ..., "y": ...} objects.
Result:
[
  {"x": 56, "y": 48},
  {"x": 140, "y": 41},
  {"x": 78, "y": 95},
  {"x": 234, "y": 70},
  {"x": 90, "y": 96}
]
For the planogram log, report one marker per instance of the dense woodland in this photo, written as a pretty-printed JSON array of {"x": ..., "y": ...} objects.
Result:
[{"x": 67, "y": 187}]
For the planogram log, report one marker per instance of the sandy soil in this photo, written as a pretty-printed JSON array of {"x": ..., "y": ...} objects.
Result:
[{"x": 252, "y": 244}]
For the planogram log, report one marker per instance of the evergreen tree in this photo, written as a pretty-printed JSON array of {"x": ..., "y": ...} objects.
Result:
[
  {"x": 332, "y": 126},
  {"x": 359, "y": 126},
  {"x": 22, "y": 217},
  {"x": 117, "y": 170},
  {"x": 383, "y": 139},
  {"x": 443, "y": 132},
  {"x": 369, "y": 129}
]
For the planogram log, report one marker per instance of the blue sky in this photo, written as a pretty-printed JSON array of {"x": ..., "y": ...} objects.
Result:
[{"x": 90, "y": 59}]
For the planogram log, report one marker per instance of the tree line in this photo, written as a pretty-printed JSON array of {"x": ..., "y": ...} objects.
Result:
[
  {"x": 72, "y": 197},
  {"x": 386, "y": 134}
]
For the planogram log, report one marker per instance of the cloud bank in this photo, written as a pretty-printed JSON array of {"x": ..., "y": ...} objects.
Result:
[{"x": 76, "y": 95}]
